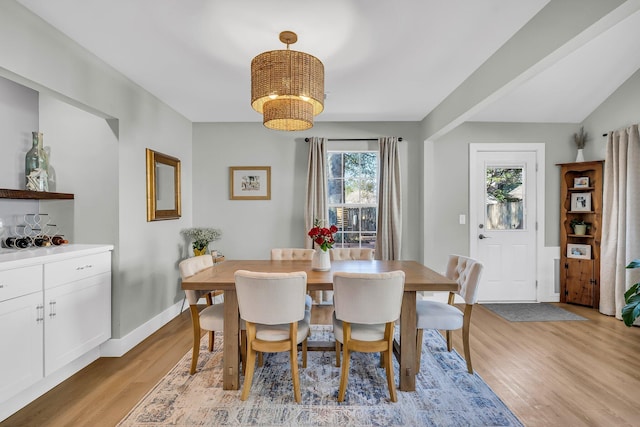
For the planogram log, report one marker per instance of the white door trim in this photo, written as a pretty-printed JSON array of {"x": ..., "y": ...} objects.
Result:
[{"x": 539, "y": 149}]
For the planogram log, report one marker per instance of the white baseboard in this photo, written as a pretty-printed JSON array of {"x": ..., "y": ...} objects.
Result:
[{"x": 117, "y": 347}]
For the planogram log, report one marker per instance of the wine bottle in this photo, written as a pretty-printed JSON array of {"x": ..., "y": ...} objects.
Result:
[
  {"x": 22, "y": 243},
  {"x": 10, "y": 242},
  {"x": 57, "y": 240}
]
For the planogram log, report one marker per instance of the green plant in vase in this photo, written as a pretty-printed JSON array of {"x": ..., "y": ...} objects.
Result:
[
  {"x": 631, "y": 311},
  {"x": 201, "y": 237},
  {"x": 579, "y": 226}
]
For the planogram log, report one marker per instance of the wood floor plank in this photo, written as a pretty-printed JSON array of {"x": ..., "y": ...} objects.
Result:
[{"x": 577, "y": 373}]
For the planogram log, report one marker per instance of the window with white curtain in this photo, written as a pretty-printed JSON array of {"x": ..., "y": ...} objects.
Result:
[{"x": 352, "y": 186}]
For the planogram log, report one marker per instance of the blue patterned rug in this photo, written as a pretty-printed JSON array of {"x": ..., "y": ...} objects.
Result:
[{"x": 446, "y": 395}]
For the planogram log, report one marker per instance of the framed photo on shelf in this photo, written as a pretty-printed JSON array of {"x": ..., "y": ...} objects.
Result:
[
  {"x": 581, "y": 182},
  {"x": 578, "y": 251},
  {"x": 581, "y": 202},
  {"x": 250, "y": 182}
]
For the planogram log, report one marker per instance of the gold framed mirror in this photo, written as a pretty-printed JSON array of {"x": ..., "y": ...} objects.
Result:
[{"x": 163, "y": 187}]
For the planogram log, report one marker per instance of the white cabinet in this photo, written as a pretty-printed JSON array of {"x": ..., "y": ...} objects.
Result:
[
  {"x": 77, "y": 295},
  {"x": 21, "y": 329},
  {"x": 55, "y": 310}
]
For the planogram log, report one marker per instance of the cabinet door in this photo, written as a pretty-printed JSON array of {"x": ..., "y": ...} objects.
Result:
[
  {"x": 579, "y": 282},
  {"x": 21, "y": 329},
  {"x": 77, "y": 319}
]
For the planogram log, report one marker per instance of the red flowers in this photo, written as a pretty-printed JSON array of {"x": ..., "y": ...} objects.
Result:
[{"x": 323, "y": 237}]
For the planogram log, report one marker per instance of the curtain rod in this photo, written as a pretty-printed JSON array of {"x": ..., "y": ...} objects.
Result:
[{"x": 351, "y": 139}]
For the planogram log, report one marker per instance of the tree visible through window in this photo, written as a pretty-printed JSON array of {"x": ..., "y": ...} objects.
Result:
[{"x": 352, "y": 179}]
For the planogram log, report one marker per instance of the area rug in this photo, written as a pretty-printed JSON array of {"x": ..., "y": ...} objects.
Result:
[
  {"x": 532, "y": 312},
  {"x": 446, "y": 395}
]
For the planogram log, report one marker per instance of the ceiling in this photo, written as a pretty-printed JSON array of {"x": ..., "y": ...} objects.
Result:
[{"x": 383, "y": 61}]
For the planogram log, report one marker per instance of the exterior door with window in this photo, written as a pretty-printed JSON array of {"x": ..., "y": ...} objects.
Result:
[{"x": 503, "y": 223}]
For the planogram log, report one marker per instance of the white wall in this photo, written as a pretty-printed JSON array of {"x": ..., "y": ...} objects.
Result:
[
  {"x": 619, "y": 111},
  {"x": 251, "y": 228},
  {"x": 145, "y": 277},
  {"x": 450, "y": 182}
]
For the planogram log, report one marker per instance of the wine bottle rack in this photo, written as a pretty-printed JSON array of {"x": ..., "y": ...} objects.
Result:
[{"x": 35, "y": 230}]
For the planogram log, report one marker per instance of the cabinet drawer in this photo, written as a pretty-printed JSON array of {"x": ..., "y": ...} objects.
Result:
[
  {"x": 70, "y": 270},
  {"x": 20, "y": 281}
]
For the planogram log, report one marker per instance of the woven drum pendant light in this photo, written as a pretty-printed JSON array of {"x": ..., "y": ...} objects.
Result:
[{"x": 287, "y": 87}]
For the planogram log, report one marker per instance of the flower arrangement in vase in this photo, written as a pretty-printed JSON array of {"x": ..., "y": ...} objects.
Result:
[
  {"x": 581, "y": 140},
  {"x": 201, "y": 237},
  {"x": 323, "y": 238}
]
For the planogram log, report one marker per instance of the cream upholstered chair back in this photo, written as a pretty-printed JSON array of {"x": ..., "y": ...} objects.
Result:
[
  {"x": 466, "y": 271},
  {"x": 191, "y": 266},
  {"x": 351, "y": 253},
  {"x": 273, "y": 306},
  {"x": 284, "y": 292},
  {"x": 368, "y": 298},
  {"x": 291, "y": 254}
]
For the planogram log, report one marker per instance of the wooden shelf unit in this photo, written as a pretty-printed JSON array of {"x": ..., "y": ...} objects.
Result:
[
  {"x": 580, "y": 277},
  {"x": 33, "y": 195}
]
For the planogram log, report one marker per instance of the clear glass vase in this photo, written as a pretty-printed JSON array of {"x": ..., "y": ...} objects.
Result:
[{"x": 36, "y": 166}]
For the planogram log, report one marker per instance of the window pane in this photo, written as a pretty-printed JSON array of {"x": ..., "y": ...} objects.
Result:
[
  {"x": 334, "y": 189},
  {"x": 368, "y": 219},
  {"x": 334, "y": 165},
  {"x": 504, "y": 198},
  {"x": 352, "y": 181}
]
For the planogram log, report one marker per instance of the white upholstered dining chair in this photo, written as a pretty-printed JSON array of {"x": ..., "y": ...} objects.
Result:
[
  {"x": 438, "y": 315},
  {"x": 366, "y": 308},
  {"x": 365, "y": 254},
  {"x": 289, "y": 254},
  {"x": 272, "y": 306},
  {"x": 293, "y": 254},
  {"x": 211, "y": 318}
]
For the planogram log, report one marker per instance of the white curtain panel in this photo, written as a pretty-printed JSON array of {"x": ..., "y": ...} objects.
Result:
[
  {"x": 316, "y": 201},
  {"x": 388, "y": 242},
  {"x": 620, "y": 219}
]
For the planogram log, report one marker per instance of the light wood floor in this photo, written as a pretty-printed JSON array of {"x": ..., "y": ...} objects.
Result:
[{"x": 548, "y": 373}]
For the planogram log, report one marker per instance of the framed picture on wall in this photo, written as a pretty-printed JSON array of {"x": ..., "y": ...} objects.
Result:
[
  {"x": 250, "y": 182},
  {"x": 581, "y": 202},
  {"x": 578, "y": 251}
]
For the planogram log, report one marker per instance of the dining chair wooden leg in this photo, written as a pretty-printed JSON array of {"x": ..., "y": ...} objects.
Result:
[
  {"x": 390, "y": 380},
  {"x": 212, "y": 337},
  {"x": 251, "y": 365},
  {"x": 337, "y": 354},
  {"x": 260, "y": 359},
  {"x": 195, "y": 319},
  {"x": 344, "y": 375},
  {"x": 243, "y": 351},
  {"x": 466, "y": 325},
  {"x": 304, "y": 353},
  {"x": 449, "y": 341},
  {"x": 418, "y": 349},
  {"x": 388, "y": 365},
  {"x": 294, "y": 362}
]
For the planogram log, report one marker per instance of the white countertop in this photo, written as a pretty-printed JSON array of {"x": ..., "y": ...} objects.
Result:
[{"x": 14, "y": 258}]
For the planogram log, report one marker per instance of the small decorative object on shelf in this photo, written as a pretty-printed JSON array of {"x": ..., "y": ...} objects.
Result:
[
  {"x": 201, "y": 237},
  {"x": 581, "y": 140},
  {"x": 323, "y": 237},
  {"x": 36, "y": 166}
]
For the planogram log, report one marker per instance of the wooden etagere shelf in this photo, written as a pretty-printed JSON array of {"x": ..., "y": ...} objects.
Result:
[
  {"x": 580, "y": 200},
  {"x": 33, "y": 195}
]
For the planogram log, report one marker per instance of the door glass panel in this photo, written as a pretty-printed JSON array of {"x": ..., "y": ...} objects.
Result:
[{"x": 504, "y": 198}]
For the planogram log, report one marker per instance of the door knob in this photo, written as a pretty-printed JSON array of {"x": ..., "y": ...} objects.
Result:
[{"x": 482, "y": 236}]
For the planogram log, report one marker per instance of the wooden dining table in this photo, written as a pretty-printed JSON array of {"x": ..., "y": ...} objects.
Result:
[{"x": 417, "y": 278}]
